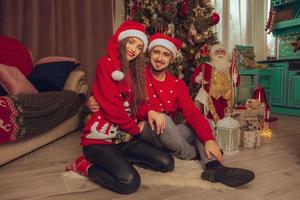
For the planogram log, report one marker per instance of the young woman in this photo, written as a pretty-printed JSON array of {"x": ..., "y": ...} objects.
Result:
[{"x": 110, "y": 138}]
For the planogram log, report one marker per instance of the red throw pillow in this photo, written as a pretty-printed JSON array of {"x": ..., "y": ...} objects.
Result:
[
  {"x": 14, "y": 53},
  {"x": 14, "y": 82}
]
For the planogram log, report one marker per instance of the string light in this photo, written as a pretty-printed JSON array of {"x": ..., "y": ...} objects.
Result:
[{"x": 266, "y": 133}]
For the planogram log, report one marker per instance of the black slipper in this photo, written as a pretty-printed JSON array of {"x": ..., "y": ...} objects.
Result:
[{"x": 232, "y": 177}]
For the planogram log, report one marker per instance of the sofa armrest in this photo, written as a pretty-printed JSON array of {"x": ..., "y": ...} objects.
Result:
[{"x": 77, "y": 82}]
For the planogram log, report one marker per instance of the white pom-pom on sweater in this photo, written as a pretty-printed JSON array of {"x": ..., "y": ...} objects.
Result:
[{"x": 117, "y": 75}]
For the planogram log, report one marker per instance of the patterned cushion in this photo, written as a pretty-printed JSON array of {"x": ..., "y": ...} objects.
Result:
[{"x": 14, "y": 82}]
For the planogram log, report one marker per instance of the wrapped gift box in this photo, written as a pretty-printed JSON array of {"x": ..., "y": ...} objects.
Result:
[
  {"x": 250, "y": 139},
  {"x": 251, "y": 114}
]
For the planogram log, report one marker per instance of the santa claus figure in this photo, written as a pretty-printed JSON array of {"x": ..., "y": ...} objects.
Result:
[{"x": 219, "y": 77}]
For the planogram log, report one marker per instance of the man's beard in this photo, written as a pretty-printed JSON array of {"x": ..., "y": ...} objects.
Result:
[
  {"x": 220, "y": 64},
  {"x": 158, "y": 70}
]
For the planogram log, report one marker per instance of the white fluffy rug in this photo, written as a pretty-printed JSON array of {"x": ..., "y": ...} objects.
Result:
[{"x": 186, "y": 173}]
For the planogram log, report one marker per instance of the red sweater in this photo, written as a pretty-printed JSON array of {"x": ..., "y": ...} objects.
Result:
[
  {"x": 115, "y": 99},
  {"x": 171, "y": 96}
]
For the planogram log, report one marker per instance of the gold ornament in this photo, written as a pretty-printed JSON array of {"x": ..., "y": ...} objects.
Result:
[
  {"x": 146, "y": 21},
  {"x": 193, "y": 30},
  {"x": 179, "y": 56},
  {"x": 183, "y": 45},
  {"x": 198, "y": 38},
  {"x": 205, "y": 35},
  {"x": 192, "y": 51},
  {"x": 197, "y": 10},
  {"x": 206, "y": 2},
  {"x": 171, "y": 29},
  {"x": 180, "y": 67},
  {"x": 154, "y": 16}
]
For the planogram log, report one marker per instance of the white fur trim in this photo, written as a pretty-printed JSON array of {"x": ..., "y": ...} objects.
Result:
[
  {"x": 134, "y": 33},
  {"x": 117, "y": 75},
  {"x": 234, "y": 78},
  {"x": 164, "y": 43}
]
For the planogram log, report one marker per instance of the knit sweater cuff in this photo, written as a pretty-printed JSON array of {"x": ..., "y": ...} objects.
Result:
[{"x": 134, "y": 130}]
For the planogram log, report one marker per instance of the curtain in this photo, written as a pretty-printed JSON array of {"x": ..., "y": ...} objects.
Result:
[
  {"x": 243, "y": 23},
  {"x": 256, "y": 34},
  {"x": 74, "y": 28},
  {"x": 119, "y": 13}
]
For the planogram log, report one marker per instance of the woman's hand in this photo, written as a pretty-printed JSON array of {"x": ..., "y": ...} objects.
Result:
[
  {"x": 157, "y": 120},
  {"x": 92, "y": 104},
  {"x": 212, "y": 148}
]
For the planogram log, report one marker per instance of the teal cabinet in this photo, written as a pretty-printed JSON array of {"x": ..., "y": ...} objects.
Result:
[
  {"x": 281, "y": 81},
  {"x": 252, "y": 78},
  {"x": 285, "y": 89},
  {"x": 294, "y": 89},
  {"x": 278, "y": 90}
]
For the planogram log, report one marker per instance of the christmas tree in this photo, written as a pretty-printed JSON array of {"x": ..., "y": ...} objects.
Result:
[{"x": 188, "y": 20}]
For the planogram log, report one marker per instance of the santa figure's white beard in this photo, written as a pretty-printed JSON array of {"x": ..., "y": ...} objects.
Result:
[{"x": 220, "y": 64}]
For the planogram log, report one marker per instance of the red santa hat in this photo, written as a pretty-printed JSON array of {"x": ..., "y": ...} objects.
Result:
[
  {"x": 132, "y": 29},
  {"x": 170, "y": 43},
  {"x": 126, "y": 29}
]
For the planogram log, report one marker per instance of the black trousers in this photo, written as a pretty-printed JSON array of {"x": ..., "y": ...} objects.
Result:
[{"x": 113, "y": 163}]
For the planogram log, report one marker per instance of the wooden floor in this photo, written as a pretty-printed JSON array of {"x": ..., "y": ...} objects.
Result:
[{"x": 39, "y": 175}]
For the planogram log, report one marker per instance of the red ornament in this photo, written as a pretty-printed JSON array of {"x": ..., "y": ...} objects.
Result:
[
  {"x": 260, "y": 94},
  {"x": 215, "y": 18},
  {"x": 204, "y": 51}
]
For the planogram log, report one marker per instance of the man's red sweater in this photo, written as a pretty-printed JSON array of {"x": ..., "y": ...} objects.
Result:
[{"x": 172, "y": 95}]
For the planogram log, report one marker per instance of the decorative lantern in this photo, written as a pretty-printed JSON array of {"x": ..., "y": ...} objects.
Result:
[{"x": 228, "y": 134}]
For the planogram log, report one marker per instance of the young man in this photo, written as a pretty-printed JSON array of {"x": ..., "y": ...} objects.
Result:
[{"x": 170, "y": 95}]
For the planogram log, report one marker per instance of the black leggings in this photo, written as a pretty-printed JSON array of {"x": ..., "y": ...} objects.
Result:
[{"x": 112, "y": 163}]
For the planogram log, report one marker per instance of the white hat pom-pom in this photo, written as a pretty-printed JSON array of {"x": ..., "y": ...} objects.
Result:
[
  {"x": 117, "y": 75},
  {"x": 126, "y": 104}
]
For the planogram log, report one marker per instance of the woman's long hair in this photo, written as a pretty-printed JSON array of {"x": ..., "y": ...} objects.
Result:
[{"x": 134, "y": 74}]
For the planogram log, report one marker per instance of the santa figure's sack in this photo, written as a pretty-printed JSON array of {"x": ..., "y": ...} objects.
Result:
[{"x": 202, "y": 96}]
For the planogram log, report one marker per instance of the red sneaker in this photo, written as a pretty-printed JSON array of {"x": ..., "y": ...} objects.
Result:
[{"x": 80, "y": 165}]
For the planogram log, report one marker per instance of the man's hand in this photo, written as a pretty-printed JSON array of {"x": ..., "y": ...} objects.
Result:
[
  {"x": 92, "y": 104},
  {"x": 158, "y": 119},
  {"x": 212, "y": 149},
  {"x": 141, "y": 125}
]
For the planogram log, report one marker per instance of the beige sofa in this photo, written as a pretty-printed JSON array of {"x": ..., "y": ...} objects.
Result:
[{"x": 10, "y": 151}]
